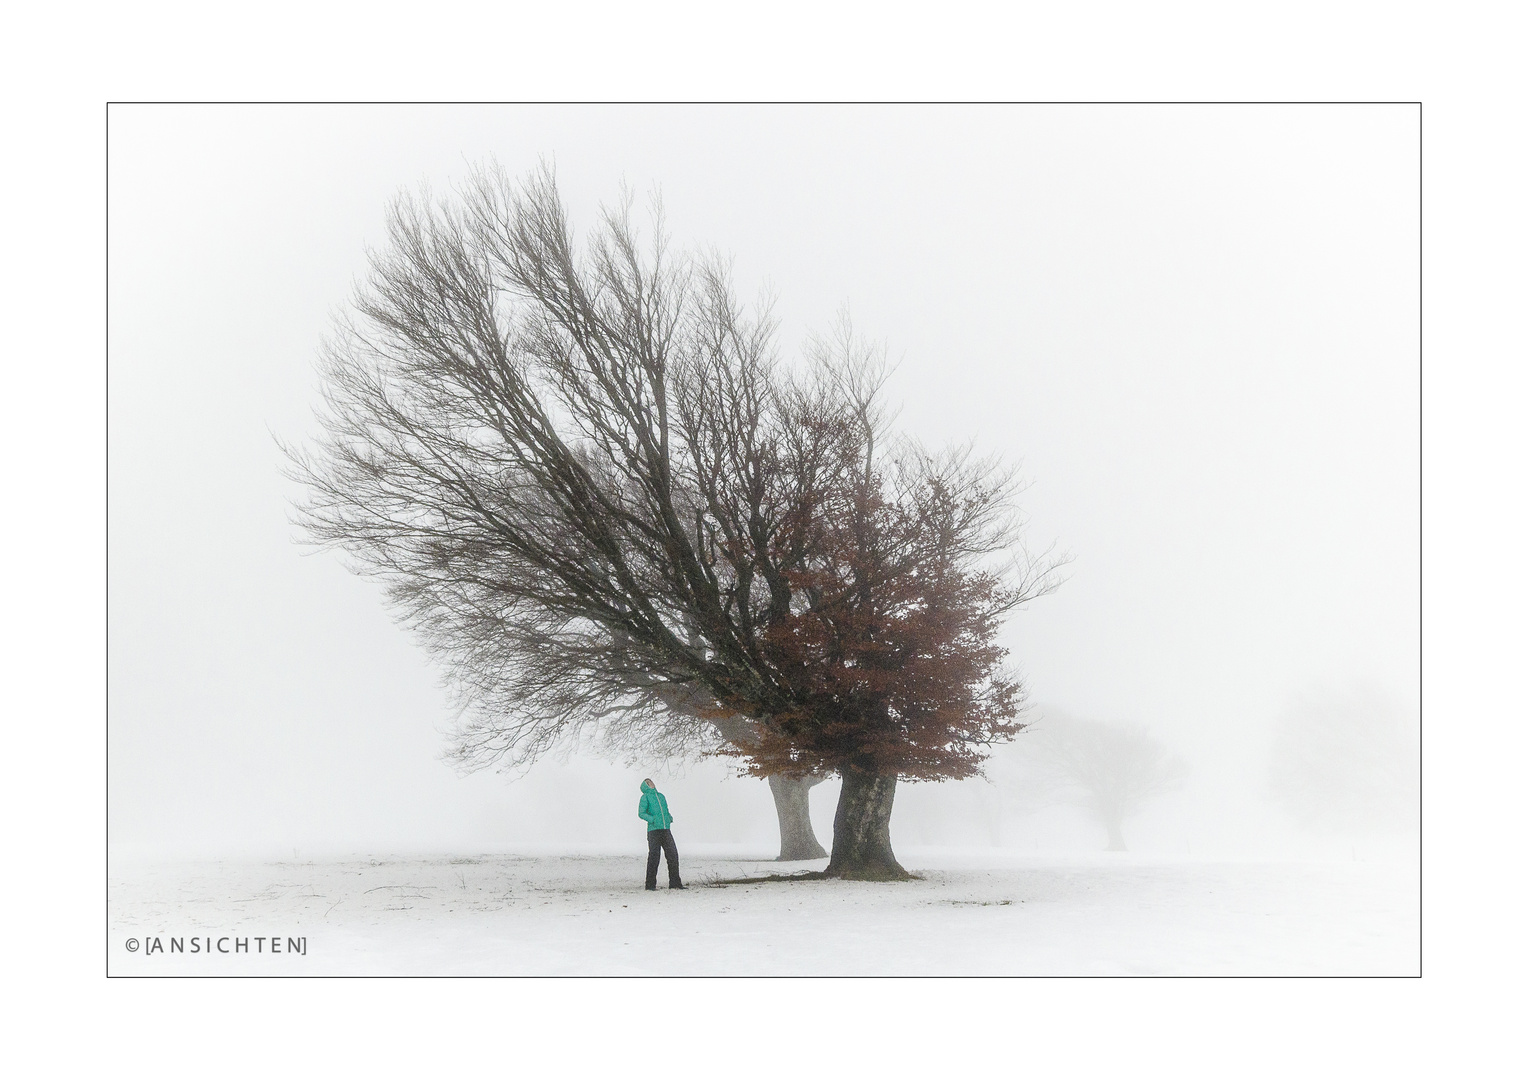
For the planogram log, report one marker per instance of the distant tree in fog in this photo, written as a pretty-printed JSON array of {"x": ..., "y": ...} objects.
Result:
[
  {"x": 1111, "y": 770},
  {"x": 1347, "y": 761},
  {"x": 602, "y": 502}
]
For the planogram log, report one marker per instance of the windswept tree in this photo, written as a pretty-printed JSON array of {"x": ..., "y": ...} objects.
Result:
[
  {"x": 604, "y": 504},
  {"x": 1110, "y": 770}
]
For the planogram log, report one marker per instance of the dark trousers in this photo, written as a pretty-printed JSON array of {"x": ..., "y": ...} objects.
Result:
[{"x": 661, "y": 840}]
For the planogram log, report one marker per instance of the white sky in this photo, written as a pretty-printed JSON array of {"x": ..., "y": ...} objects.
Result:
[{"x": 1195, "y": 326}]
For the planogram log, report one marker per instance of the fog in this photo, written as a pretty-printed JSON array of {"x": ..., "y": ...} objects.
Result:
[{"x": 1196, "y": 327}]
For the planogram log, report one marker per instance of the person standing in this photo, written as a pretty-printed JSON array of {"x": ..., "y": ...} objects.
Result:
[{"x": 653, "y": 809}]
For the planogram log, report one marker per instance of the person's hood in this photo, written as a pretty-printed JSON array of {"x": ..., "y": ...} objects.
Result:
[{"x": 648, "y": 787}]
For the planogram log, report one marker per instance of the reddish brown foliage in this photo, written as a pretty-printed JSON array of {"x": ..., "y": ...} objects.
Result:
[{"x": 892, "y": 661}]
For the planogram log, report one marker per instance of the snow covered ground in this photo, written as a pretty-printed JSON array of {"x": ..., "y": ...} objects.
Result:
[{"x": 976, "y": 912}]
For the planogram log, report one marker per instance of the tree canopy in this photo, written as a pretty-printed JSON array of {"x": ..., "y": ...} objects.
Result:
[{"x": 597, "y": 494}]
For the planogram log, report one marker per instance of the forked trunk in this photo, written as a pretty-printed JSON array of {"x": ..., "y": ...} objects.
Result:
[
  {"x": 792, "y": 807},
  {"x": 862, "y": 830}
]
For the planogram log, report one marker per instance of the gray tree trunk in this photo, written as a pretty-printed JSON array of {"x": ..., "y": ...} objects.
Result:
[
  {"x": 792, "y": 807},
  {"x": 862, "y": 830},
  {"x": 1115, "y": 824}
]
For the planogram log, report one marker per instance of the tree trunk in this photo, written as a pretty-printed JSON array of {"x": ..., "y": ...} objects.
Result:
[
  {"x": 797, "y": 840},
  {"x": 862, "y": 830},
  {"x": 1115, "y": 824}
]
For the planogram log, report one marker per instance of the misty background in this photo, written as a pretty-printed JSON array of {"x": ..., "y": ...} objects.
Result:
[{"x": 1196, "y": 327}]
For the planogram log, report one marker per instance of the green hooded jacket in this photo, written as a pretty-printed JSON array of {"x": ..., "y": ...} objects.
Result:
[{"x": 654, "y": 810}]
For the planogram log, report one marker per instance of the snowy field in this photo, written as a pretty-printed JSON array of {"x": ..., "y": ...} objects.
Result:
[{"x": 975, "y": 912}]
